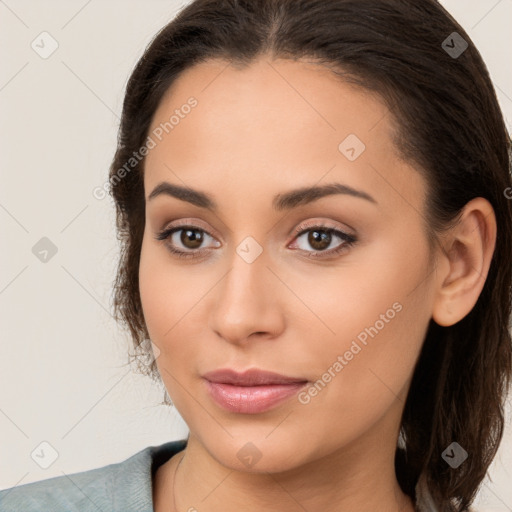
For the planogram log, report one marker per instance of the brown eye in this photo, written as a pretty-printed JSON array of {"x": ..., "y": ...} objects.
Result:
[
  {"x": 319, "y": 239},
  {"x": 186, "y": 241},
  {"x": 191, "y": 238}
]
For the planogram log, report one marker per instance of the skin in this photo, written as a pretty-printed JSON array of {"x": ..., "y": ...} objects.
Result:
[{"x": 257, "y": 132}]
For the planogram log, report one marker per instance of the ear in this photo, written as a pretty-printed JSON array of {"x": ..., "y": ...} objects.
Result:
[{"x": 464, "y": 262}]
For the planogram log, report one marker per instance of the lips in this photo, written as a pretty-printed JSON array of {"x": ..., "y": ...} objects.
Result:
[
  {"x": 252, "y": 377},
  {"x": 250, "y": 392}
]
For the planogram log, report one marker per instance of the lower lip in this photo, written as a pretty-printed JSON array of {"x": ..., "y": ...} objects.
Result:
[{"x": 251, "y": 399}]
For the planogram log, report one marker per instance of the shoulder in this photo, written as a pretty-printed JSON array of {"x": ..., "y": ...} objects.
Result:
[{"x": 123, "y": 486}]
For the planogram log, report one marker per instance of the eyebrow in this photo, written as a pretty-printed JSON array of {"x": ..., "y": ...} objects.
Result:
[{"x": 284, "y": 201}]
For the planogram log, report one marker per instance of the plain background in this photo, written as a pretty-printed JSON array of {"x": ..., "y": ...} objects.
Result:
[{"x": 64, "y": 377}]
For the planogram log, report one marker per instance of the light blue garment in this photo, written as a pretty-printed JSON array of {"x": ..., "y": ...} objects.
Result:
[{"x": 122, "y": 487}]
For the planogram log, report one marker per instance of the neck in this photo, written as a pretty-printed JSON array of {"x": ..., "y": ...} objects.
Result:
[
  {"x": 347, "y": 480},
  {"x": 327, "y": 474}
]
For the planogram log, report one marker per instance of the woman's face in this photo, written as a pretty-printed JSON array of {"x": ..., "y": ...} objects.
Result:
[{"x": 262, "y": 285}]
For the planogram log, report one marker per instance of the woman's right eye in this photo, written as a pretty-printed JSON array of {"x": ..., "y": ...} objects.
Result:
[{"x": 180, "y": 238}]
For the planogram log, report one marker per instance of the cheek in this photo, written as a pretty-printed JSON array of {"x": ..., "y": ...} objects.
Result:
[
  {"x": 363, "y": 373},
  {"x": 378, "y": 323},
  {"x": 155, "y": 297},
  {"x": 165, "y": 311},
  {"x": 161, "y": 304},
  {"x": 171, "y": 300},
  {"x": 164, "y": 291}
]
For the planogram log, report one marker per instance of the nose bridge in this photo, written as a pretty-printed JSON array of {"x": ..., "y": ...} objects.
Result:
[
  {"x": 246, "y": 301},
  {"x": 243, "y": 287}
]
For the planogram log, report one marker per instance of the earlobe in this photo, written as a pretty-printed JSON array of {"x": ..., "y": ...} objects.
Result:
[{"x": 464, "y": 262}]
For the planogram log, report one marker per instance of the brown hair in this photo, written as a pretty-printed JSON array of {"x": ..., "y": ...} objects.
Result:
[{"x": 449, "y": 125}]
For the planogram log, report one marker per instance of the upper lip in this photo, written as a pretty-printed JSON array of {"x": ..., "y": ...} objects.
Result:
[{"x": 251, "y": 377}]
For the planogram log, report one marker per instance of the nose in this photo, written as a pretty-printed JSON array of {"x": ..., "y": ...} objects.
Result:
[{"x": 247, "y": 302}]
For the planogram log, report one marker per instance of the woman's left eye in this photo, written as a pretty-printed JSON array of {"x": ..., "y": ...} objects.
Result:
[
  {"x": 320, "y": 239},
  {"x": 188, "y": 243}
]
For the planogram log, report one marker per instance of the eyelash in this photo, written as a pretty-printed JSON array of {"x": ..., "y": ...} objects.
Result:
[{"x": 348, "y": 240}]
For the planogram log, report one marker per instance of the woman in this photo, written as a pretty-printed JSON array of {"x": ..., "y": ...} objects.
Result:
[{"x": 313, "y": 199}]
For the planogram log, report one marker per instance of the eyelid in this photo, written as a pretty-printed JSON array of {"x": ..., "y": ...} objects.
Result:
[
  {"x": 348, "y": 239},
  {"x": 309, "y": 224},
  {"x": 325, "y": 224},
  {"x": 193, "y": 223}
]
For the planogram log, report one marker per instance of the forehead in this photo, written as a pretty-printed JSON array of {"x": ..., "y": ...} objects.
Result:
[
  {"x": 275, "y": 122},
  {"x": 297, "y": 99}
]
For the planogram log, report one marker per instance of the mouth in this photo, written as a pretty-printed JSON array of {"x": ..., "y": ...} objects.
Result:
[{"x": 251, "y": 392}]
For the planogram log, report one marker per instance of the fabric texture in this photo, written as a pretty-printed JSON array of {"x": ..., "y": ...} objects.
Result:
[{"x": 122, "y": 487}]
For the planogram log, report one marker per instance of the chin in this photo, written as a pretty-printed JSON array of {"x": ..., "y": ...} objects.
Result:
[{"x": 257, "y": 454}]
